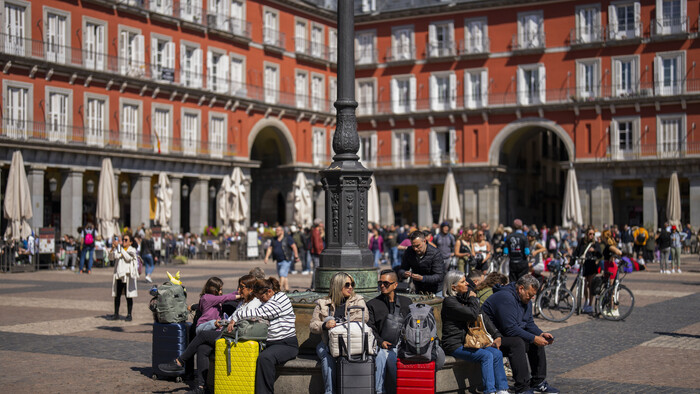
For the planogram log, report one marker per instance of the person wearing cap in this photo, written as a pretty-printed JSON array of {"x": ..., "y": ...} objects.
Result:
[
  {"x": 517, "y": 250},
  {"x": 445, "y": 243}
]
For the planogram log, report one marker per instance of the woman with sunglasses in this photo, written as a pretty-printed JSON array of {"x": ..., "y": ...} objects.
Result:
[
  {"x": 327, "y": 312},
  {"x": 126, "y": 273},
  {"x": 482, "y": 247},
  {"x": 463, "y": 249}
]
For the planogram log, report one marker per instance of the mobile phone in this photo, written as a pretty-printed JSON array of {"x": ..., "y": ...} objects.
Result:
[{"x": 550, "y": 340}]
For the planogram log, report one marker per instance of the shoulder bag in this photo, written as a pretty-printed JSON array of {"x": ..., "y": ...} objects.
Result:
[{"x": 477, "y": 337}]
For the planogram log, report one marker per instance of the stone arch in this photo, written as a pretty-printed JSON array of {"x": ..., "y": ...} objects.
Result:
[
  {"x": 283, "y": 132},
  {"x": 515, "y": 126}
]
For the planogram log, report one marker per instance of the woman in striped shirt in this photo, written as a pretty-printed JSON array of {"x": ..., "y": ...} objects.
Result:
[{"x": 282, "y": 344}]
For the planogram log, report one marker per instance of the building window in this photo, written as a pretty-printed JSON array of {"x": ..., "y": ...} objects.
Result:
[
  {"x": 317, "y": 41},
  {"x": 300, "y": 39},
  {"x": 162, "y": 129},
  {"x": 18, "y": 111},
  {"x": 588, "y": 77},
  {"x": 96, "y": 120},
  {"x": 443, "y": 91},
  {"x": 442, "y": 147},
  {"x": 402, "y": 148},
  {"x": 191, "y": 10},
  {"x": 191, "y": 66},
  {"x": 332, "y": 45},
  {"x": 624, "y": 21},
  {"x": 131, "y": 54},
  {"x": 271, "y": 80},
  {"x": 217, "y": 72},
  {"x": 402, "y": 48},
  {"x": 301, "y": 87},
  {"x": 190, "y": 127},
  {"x": 58, "y": 110},
  {"x": 238, "y": 87},
  {"x": 17, "y": 31},
  {"x": 365, "y": 48},
  {"x": 623, "y": 137},
  {"x": 218, "y": 17},
  {"x": 671, "y": 17},
  {"x": 368, "y": 6},
  {"x": 163, "y": 59},
  {"x": 317, "y": 89},
  {"x": 476, "y": 36},
  {"x": 476, "y": 89},
  {"x": 530, "y": 30},
  {"x": 588, "y": 25},
  {"x": 403, "y": 94},
  {"x": 441, "y": 39},
  {"x": 57, "y": 37},
  {"x": 94, "y": 53},
  {"x": 366, "y": 96},
  {"x": 164, "y": 7},
  {"x": 238, "y": 17},
  {"x": 318, "y": 146},
  {"x": 670, "y": 135},
  {"x": 368, "y": 149},
  {"x": 332, "y": 93},
  {"x": 625, "y": 76},
  {"x": 531, "y": 84},
  {"x": 670, "y": 73},
  {"x": 270, "y": 28},
  {"x": 217, "y": 133},
  {"x": 130, "y": 124}
]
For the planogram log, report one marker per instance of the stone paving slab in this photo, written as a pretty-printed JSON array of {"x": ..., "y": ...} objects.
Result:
[{"x": 19, "y": 315}]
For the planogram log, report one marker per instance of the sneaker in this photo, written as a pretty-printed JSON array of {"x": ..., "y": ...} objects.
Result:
[
  {"x": 89, "y": 272},
  {"x": 679, "y": 271},
  {"x": 502, "y": 392},
  {"x": 587, "y": 309},
  {"x": 544, "y": 387},
  {"x": 148, "y": 279},
  {"x": 673, "y": 271},
  {"x": 668, "y": 272},
  {"x": 113, "y": 317},
  {"x": 172, "y": 367},
  {"x": 63, "y": 268},
  {"x": 128, "y": 318},
  {"x": 615, "y": 313},
  {"x": 607, "y": 312},
  {"x": 304, "y": 272},
  {"x": 72, "y": 268},
  {"x": 294, "y": 272}
]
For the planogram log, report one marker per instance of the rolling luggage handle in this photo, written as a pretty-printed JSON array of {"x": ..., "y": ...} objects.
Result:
[{"x": 363, "y": 357}]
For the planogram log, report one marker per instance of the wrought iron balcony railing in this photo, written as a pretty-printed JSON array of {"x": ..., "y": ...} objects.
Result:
[
  {"x": 670, "y": 150},
  {"x": 528, "y": 41},
  {"x": 274, "y": 39},
  {"x": 669, "y": 26},
  {"x": 441, "y": 49},
  {"x": 474, "y": 46},
  {"x": 584, "y": 35}
]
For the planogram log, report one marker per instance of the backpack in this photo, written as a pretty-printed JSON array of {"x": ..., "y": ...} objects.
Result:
[
  {"x": 664, "y": 240},
  {"x": 418, "y": 339},
  {"x": 89, "y": 238},
  {"x": 641, "y": 237},
  {"x": 171, "y": 303}
]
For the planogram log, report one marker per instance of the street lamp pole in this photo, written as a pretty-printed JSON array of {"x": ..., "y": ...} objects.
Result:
[{"x": 346, "y": 182}]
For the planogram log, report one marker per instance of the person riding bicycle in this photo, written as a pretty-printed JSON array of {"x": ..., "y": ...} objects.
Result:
[
  {"x": 589, "y": 249},
  {"x": 517, "y": 251}
]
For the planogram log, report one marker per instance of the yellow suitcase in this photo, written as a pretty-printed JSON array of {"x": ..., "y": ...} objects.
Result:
[{"x": 234, "y": 366}]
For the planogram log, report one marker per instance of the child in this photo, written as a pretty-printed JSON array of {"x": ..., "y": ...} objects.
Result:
[{"x": 210, "y": 302}]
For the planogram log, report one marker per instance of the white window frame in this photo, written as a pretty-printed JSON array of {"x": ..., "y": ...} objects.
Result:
[
  {"x": 400, "y": 158},
  {"x": 164, "y": 7},
  {"x": 167, "y": 56},
  {"x": 451, "y": 99},
  {"x": 58, "y": 125},
  {"x": 189, "y": 139},
  {"x": 238, "y": 82},
  {"x": 581, "y": 84},
  {"x": 165, "y": 138},
  {"x": 365, "y": 47},
  {"x": 402, "y": 49},
  {"x": 616, "y": 152},
  {"x": 56, "y": 49},
  {"x": 94, "y": 50},
  {"x": 401, "y": 105},
  {"x": 525, "y": 95},
  {"x": 437, "y": 48},
  {"x": 271, "y": 26},
  {"x": 238, "y": 22},
  {"x": 217, "y": 138},
  {"x": 301, "y": 35},
  {"x": 528, "y": 38},
  {"x": 481, "y": 99},
  {"x": 438, "y": 157},
  {"x": 301, "y": 88},
  {"x": 671, "y": 149},
  {"x": 132, "y": 53},
  {"x": 218, "y": 72},
  {"x": 95, "y": 133},
  {"x": 476, "y": 43},
  {"x": 317, "y": 95},
  {"x": 593, "y": 33},
  {"x": 318, "y": 146},
  {"x": 368, "y": 148},
  {"x": 367, "y": 6},
  {"x": 220, "y": 11},
  {"x": 271, "y": 86},
  {"x": 670, "y": 24},
  {"x": 332, "y": 93},
  {"x": 17, "y": 128},
  {"x": 191, "y": 10},
  {"x": 14, "y": 43},
  {"x": 618, "y": 90},
  {"x": 364, "y": 107},
  {"x": 126, "y": 140},
  {"x": 191, "y": 75},
  {"x": 317, "y": 39},
  {"x": 677, "y": 85},
  {"x": 332, "y": 45},
  {"x": 614, "y": 26}
]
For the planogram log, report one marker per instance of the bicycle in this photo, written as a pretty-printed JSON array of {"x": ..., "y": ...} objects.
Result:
[
  {"x": 555, "y": 302},
  {"x": 577, "y": 288},
  {"x": 615, "y": 301}
]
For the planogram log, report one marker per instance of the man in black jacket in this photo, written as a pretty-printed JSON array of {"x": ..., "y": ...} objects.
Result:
[
  {"x": 423, "y": 263},
  {"x": 386, "y": 314},
  {"x": 517, "y": 249}
]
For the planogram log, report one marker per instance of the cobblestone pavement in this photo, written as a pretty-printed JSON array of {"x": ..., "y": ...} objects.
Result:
[{"x": 54, "y": 336}]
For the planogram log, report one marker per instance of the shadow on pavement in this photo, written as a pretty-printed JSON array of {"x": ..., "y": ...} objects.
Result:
[{"x": 677, "y": 334}]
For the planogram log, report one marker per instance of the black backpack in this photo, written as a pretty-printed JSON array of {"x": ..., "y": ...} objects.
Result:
[
  {"x": 664, "y": 240},
  {"x": 641, "y": 237}
]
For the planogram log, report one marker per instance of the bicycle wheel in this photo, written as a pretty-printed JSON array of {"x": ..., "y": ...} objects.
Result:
[
  {"x": 616, "y": 304},
  {"x": 577, "y": 291},
  {"x": 556, "y": 305}
]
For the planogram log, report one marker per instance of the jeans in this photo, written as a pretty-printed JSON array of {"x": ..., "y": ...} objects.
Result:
[
  {"x": 377, "y": 257},
  {"x": 394, "y": 257},
  {"x": 520, "y": 354},
  {"x": 386, "y": 365},
  {"x": 327, "y": 367},
  {"x": 149, "y": 263},
  {"x": 663, "y": 262},
  {"x": 87, "y": 249},
  {"x": 676, "y": 257},
  {"x": 493, "y": 375},
  {"x": 283, "y": 268},
  {"x": 305, "y": 261}
]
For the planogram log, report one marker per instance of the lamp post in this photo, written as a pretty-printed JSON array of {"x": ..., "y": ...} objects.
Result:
[{"x": 346, "y": 181}]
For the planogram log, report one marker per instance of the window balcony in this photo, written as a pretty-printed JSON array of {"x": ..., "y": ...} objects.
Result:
[
  {"x": 366, "y": 58},
  {"x": 310, "y": 51},
  {"x": 623, "y": 34},
  {"x": 528, "y": 43},
  {"x": 401, "y": 55},
  {"x": 84, "y": 137},
  {"x": 474, "y": 47},
  {"x": 273, "y": 40},
  {"x": 674, "y": 150},
  {"x": 233, "y": 28},
  {"x": 174, "y": 11},
  {"x": 587, "y": 36},
  {"x": 441, "y": 51},
  {"x": 670, "y": 28}
]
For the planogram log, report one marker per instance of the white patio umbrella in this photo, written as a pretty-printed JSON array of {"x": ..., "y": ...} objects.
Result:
[
  {"x": 164, "y": 205},
  {"x": 673, "y": 204},
  {"x": 373, "y": 215},
  {"x": 18, "y": 200},
  {"x": 571, "y": 214},
  {"x": 107, "y": 202},
  {"x": 239, "y": 201},
  {"x": 303, "y": 210},
  {"x": 449, "y": 209},
  {"x": 225, "y": 205}
]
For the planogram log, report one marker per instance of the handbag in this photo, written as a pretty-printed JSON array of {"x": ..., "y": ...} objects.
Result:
[
  {"x": 477, "y": 337},
  {"x": 361, "y": 337}
]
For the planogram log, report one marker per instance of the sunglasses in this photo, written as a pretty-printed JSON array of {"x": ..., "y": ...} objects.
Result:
[
  {"x": 349, "y": 285},
  {"x": 469, "y": 234},
  {"x": 384, "y": 283},
  {"x": 242, "y": 286},
  {"x": 126, "y": 239}
]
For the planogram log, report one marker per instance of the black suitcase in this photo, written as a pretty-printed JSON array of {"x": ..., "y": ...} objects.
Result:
[
  {"x": 355, "y": 374},
  {"x": 169, "y": 341}
]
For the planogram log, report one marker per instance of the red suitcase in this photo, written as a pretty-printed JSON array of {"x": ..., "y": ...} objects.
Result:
[{"x": 415, "y": 378}]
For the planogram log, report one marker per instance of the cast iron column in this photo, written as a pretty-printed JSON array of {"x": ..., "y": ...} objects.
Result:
[{"x": 346, "y": 181}]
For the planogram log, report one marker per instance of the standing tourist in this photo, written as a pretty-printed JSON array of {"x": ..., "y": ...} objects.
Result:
[
  {"x": 87, "y": 238},
  {"x": 482, "y": 250},
  {"x": 283, "y": 251},
  {"x": 665, "y": 242},
  {"x": 423, "y": 263},
  {"x": 589, "y": 250},
  {"x": 147, "y": 247},
  {"x": 640, "y": 239},
  {"x": 445, "y": 243},
  {"x": 517, "y": 251},
  {"x": 125, "y": 274},
  {"x": 463, "y": 250},
  {"x": 676, "y": 245}
]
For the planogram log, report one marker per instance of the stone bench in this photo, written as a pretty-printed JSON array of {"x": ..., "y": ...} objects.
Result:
[{"x": 303, "y": 375}]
